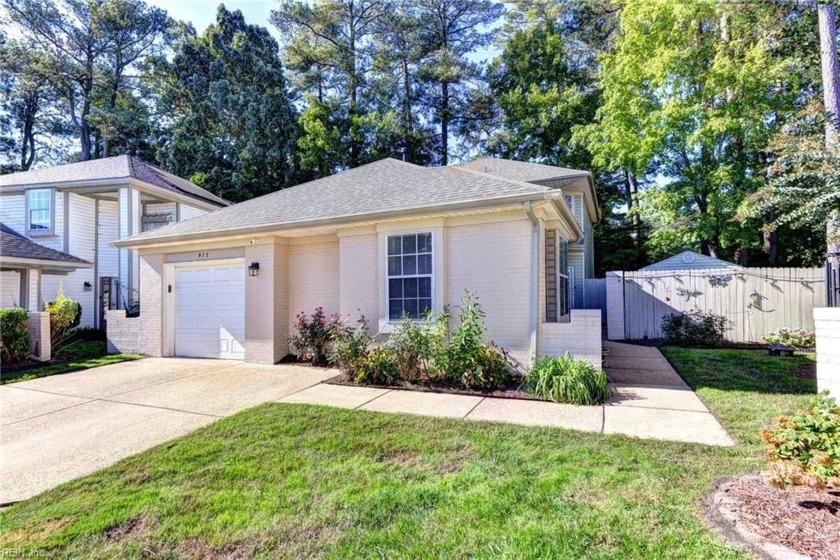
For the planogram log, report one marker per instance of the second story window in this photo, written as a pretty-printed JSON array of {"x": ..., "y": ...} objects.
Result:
[{"x": 39, "y": 210}]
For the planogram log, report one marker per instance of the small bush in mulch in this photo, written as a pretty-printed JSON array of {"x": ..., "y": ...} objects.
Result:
[
  {"x": 759, "y": 516},
  {"x": 804, "y": 448}
]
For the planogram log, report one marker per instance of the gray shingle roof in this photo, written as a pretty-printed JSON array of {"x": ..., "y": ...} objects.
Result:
[
  {"x": 116, "y": 168},
  {"x": 384, "y": 186},
  {"x": 15, "y": 245},
  {"x": 521, "y": 170}
]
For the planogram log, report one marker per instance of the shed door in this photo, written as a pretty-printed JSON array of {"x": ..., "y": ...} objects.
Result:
[{"x": 210, "y": 311}]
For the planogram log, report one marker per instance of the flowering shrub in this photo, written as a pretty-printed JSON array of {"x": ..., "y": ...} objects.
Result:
[
  {"x": 694, "y": 328},
  {"x": 350, "y": 344},
  {"x": 310, "y": 343},
  {"x": 804, "y": 449},
  {"x": 798, "y": 338}
]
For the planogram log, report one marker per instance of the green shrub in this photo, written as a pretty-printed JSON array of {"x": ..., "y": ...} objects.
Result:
[
  {"x": 312, "y": 337},
  {"x": 419, "y": 346},
  {"x": 567, "y": 380},
  {"x": 468, "y": 360},
  {"x": 377, "y": 367},
  {"x": 350, "y": 344},
  {"x": 804, "y": 449},
  {"x": 798, "y": 338},
  {"x": 14, "y": 335},
  {"x": 695, "y": 328},
  {"x": 65, "y": 314}
]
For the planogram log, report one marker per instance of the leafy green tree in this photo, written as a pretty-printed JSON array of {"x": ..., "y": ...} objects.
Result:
[
  {"x": 694, "y": 91},
  {"x": 84, "y": 50},
  {"x": 451, "y": 31},
  {"x": 329, "y": 51},
  {"x": 234, "y": 126}
]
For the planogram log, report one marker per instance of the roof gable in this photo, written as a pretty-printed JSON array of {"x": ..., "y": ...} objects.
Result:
[
  {"x": 117, "y": 169},
  {"x": 689, "y": 260},
  {"x": 15, "y": 245}
]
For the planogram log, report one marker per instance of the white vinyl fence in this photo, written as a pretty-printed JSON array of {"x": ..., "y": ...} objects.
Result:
[{"x": 757, "y": 301}]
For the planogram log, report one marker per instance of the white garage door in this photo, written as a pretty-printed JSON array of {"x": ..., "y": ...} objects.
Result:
[{"x": 210, "y": 311}]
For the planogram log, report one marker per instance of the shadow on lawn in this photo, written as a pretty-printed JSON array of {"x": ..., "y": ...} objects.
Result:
[{"x": 744, "y": 370}]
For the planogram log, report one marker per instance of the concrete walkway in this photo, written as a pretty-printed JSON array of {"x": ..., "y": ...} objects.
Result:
[{"x": 648, "y": 399}]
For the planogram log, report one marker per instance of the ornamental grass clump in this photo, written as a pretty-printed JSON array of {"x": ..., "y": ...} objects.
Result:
[
  {"x": 804, "y": 449},
  {"x": 567, "y": 380}
]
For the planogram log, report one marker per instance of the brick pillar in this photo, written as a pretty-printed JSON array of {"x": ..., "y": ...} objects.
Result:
[
  {"x": 39, "y": 335},
  {"x": 827, "y": 323},
  {"x": 267, "y": 302},
  {"x": 615, "y": 305}
]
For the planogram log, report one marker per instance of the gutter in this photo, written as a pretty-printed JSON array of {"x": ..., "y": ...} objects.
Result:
[
  {"x": 228, "y": 234},
  {"x": 535, "y": 269}
]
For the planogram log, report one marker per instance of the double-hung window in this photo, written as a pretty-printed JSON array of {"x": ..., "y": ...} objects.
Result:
[
  {"x": 39, "y": 210},
  {"x": 410, "y": 275},
  {"x": 563, "y": 281}
]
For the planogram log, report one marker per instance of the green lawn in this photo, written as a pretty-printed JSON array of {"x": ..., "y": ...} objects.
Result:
[
  {"x": 303, "y": 481},
  {"x": 81, "y": 355}
]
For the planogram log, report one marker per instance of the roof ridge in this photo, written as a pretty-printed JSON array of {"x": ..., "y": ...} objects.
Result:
[{"x": 499, "y": 178}]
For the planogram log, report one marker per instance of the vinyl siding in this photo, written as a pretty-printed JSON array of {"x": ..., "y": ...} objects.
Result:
[
  {"x": 9, "y": 288},
  {"x": 13, "y": 212},
  {"x": 81, "y": 243},
  {"x": 188, "y": 212},
  {"x": 576, "y": 261}
]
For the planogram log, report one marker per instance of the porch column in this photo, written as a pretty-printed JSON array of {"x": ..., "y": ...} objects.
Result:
[
  {"x": 23, "y": 289},
  {"x": 130, "y": 215}
]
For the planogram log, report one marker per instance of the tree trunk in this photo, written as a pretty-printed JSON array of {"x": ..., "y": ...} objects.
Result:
[
  {"x": 827, "y": 16},
  {"x": 444, "y": 123},
  {"x": 632, "y": 189}
]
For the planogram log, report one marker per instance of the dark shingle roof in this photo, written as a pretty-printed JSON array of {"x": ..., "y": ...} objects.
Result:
[
  {"x": 117, "y": 168},
  {"x": 388, "y": 185},
  {"x": 14, "y": 245}
]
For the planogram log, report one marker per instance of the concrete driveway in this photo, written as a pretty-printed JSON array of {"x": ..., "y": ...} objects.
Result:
[{"x": 58, "y": 428}]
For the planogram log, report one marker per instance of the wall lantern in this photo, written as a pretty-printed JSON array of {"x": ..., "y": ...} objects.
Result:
[
  {"x": 254, "y": 269},
  {"x": 88, "y": 287}
]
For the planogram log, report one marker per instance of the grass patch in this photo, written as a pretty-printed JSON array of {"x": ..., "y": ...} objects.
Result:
[
  {"x": 76, "y": 356},
  {"x": 306, "y": 481},
  {"x": 746, "y": 389}
]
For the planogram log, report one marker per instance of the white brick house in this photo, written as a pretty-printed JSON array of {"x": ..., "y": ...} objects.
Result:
[
  {"x": 387, "y": 239},
  {"x": 79, "y": 209}
]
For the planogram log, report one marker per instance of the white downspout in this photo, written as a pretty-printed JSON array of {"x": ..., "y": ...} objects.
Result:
[{"x": 535, "y": 270}]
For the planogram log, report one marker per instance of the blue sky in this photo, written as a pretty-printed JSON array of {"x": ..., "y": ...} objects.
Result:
[{"x": 203, "y": 12}]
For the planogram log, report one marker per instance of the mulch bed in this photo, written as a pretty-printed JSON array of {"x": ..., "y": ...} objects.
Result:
[
  {"x": 803, "y": 520},
  {"x": 513, "y": 391}
]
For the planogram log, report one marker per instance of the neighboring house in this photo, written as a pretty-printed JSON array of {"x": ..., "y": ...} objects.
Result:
[
  {"x": 79, "y": 209},
  {"x": 26, "y": 262},
  {"x": 688, "y": 260},
  {"x": 387, "y": 239}
]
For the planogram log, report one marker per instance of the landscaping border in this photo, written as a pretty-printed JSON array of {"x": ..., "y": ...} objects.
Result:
[{"x": 497, "y": 394}]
